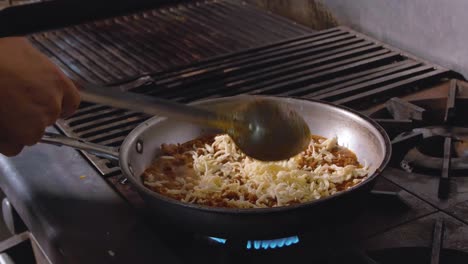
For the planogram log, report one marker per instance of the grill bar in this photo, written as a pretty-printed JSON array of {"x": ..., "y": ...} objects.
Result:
[
  {"x": 266, "y": 70},
  {"x": 278, "y": 74},
  {"x": 358, "y": 78},
  {"x": 94, "y": 116},
  {"x": 181, "y": 31},
  {"x": 88, "y": 110},
  {"x": 218, "y": 61},
  {"x": 97, "y": 53},
  {"x": 64, "y": 59},
  {"x": 87, "y": 129},
  {"x": 229, "y": 20},
  {"x": 122, "y": 48},
  {"x": 381, "y": 91},
  {"x": 100, "y": 131},
  {"x": 200, "y": 22},
  {"x": 104, "y": 50},
  {"x": 356, "y": 89},
  {"x": 315, "y": 42},
  {"x": 328, "y": 70},
  {"x": 115, "y": 140},
  {"x": 144, "y": 44},
  {"x": 323, "y": 72}
]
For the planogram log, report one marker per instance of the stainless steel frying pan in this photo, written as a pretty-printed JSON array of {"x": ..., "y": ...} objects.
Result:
[{"x": 354, "y": 130}]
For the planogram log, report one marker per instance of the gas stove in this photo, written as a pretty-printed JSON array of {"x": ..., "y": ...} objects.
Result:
[
  {"x": 78, "y": 208},
  {"x": 415, "y": 214}
]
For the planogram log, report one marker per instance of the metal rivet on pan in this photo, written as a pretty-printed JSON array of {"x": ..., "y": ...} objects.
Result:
[
  {"x": 130, "y": 169},
  {"x": 139, "y": 146}
]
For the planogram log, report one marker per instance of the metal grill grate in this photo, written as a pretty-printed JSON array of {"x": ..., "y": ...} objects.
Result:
[
  {"x": 337, "y": 65},
  {"x": 122, "y": 48}
]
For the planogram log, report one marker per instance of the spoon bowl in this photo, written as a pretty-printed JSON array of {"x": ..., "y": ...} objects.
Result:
[{"x": 268, "y": 131}]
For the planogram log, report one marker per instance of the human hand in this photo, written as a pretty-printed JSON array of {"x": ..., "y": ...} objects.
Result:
[{"x": 34, "y": 93}]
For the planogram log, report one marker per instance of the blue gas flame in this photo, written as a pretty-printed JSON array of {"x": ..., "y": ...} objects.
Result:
[
  {"x": 272, "y": 244},
  {"x": 265, "y": 244},
  {"x": 219, "y": 240}
]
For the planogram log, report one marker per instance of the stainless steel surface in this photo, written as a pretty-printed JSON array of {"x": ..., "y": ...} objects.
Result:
[
  {"x": 95, "y": 149},
  {"x": 72, "y": 211}
]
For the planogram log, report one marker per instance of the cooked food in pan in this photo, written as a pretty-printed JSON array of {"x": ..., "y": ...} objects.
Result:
[{"x": 212, "y": 171}]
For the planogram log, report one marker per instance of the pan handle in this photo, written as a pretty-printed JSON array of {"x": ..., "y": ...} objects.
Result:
[{"x": 95, "y": 149}]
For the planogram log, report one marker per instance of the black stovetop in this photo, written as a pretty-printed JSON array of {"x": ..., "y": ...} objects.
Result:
[{"x": 413, "y": 215}]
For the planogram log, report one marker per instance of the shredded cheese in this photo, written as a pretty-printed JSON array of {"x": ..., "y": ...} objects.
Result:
[{"x": 224, "y": 176}]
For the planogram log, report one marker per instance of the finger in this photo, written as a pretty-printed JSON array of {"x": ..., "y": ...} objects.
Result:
[
  {"x": 71, "y": 98},
  {"x": 33, "y": 132},
  {"x": 10, "y": 149},
  {"x": 52, "y": 110},
  {"x": 34, "y": 137}
]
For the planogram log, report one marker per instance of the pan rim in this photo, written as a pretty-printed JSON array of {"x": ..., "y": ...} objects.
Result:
[{"x": 123, "y": 157}]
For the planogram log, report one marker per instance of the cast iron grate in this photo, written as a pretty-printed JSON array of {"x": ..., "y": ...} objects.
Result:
[
  {"x": 121, "y": 48},
  {"x": 430, "y": 135}
]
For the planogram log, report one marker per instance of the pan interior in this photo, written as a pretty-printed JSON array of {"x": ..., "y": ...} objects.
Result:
[{"x": 353, "y": 131}]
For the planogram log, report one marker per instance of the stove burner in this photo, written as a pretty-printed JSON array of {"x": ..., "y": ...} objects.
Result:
[
  {"x": 263, "y": 244},
  {"x": 429, "y": 135},
  {"x": 429, "y": 153}
]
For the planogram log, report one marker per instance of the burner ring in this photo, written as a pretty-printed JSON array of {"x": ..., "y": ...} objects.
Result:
[{"x": 415, "y": 158}]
